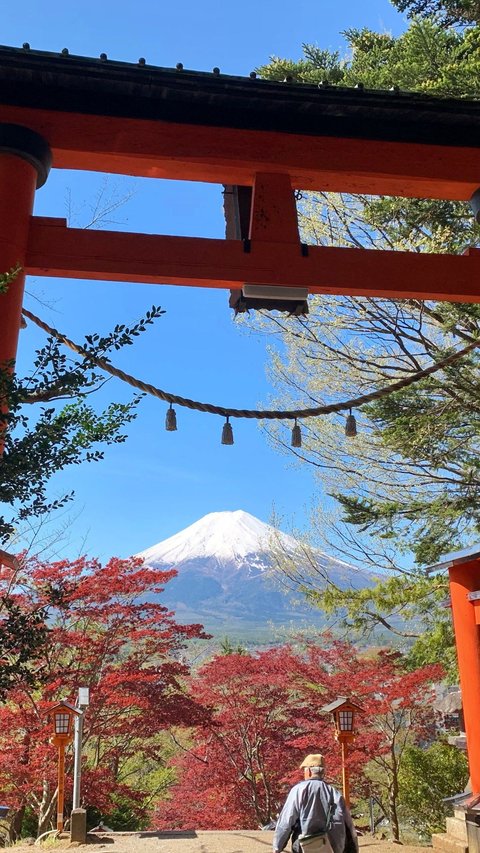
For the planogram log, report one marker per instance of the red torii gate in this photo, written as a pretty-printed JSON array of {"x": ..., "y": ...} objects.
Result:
[{"x": 77, "y": 113}]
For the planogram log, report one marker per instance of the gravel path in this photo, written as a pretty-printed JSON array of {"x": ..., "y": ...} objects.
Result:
[{"x": 236, "y": 841}]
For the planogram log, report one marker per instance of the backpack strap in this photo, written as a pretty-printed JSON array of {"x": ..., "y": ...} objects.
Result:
[{"x": 331, "y": 809}]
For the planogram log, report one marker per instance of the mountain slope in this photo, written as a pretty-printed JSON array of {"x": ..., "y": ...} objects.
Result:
[{"x": 224, "y": 563}]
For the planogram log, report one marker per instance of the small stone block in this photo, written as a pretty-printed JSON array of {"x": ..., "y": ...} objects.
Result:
[
  {"x": 457, "y": 828},
  {"x": 78, "y": 826},
  {"x": 447, "y": 844}
]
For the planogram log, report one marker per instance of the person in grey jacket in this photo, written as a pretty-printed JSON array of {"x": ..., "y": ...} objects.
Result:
[{"x": 306, "y": 809}]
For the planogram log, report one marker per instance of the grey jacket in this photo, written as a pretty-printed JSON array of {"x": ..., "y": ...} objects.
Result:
[{"x": 305, "y": 813}]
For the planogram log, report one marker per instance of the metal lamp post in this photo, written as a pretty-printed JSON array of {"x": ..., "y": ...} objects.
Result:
[
  {"x": 343, "y": 712},
  {"x": 63, "y": 715},
  {"x": 83, "y": 702}
]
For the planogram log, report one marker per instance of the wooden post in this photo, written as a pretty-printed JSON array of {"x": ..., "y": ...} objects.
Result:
[
  {"x": 24, "y": 165},
  {"x": 61, "y": 785},
  {"x": 25, "y": 160},
  {"x": 273, "y": 213},
  {"x": 345, "y": 775},
  {"x": 17, "y": 187},
  {"x": 465, "y": 578}
]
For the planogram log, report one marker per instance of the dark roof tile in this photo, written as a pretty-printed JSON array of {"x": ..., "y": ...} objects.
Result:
[{"x": 67, "y": 82}]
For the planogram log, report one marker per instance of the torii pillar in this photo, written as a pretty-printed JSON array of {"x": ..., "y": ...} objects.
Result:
[
  {"x": 25, "y": 161},
  {"x": 464, "y": 575}
]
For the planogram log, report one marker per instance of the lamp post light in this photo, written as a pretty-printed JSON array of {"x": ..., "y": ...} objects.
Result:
[
  {"x": 63, "y": 715},
  {"x": 343, "y": 712}
]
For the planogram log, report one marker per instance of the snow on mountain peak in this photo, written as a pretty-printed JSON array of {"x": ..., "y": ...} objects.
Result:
[{"x": 227, "y": 536}]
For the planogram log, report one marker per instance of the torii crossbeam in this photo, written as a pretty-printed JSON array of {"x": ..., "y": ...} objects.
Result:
[{"x": 86, "y": 114}]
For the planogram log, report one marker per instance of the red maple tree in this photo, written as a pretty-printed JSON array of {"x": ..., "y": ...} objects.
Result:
[
  {"x": 107, "y": 631},
  {"x": 266, "y": 715}
]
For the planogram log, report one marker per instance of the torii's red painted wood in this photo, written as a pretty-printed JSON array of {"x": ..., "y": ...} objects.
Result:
[
  {"x": 273, "y": 216},
  {"x": 55, "y": 250},
  {"x": 17, "y": 188},
  {"x": 159, "y": 149},
  {"x": 465, "y": 578}
]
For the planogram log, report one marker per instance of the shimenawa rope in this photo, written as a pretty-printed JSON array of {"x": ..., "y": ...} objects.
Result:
[{"x": 259, "y": 414}]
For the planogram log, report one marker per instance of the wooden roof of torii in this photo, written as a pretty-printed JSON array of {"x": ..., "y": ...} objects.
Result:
[
  {"x": 145, "y": 117},
  {"x": 136, "y": 90},
  {"x": 136, "y": 119}
]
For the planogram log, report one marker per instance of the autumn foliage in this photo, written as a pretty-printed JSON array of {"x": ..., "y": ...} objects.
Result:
[
  {"x": 247, "y": 719},
  {"x": 267, "y": 716},
  {"x": 108, "y": 631}
]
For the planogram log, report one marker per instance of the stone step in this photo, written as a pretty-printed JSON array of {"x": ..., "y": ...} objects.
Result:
[
  {"x": 457, "y": 828},
  {"x": 447, "y": 844}
]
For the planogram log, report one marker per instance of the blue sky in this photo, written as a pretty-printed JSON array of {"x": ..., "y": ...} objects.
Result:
[{"x": 157, "y": 482}]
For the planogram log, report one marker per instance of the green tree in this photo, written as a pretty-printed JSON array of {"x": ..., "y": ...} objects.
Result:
[
  {"x": 449, "y": 12},
  {"x": 426, "y": 58},
  {"x": 24, "y": 634},
  {"x": 46, "y": 425},
  {"x": 57, "y": 434},
  {"x": 427, "y": 777},
  {"x": 411, "y": 476},
  {"x": 227, "y": 647}
]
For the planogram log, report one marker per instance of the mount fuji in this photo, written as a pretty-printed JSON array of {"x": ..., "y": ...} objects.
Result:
[{"x": 224, "y": 563}]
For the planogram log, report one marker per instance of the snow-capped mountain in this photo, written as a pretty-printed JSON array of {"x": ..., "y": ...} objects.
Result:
[
  {"x": 229, "y": 537},
  {"x": 224, "y": 563}
]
